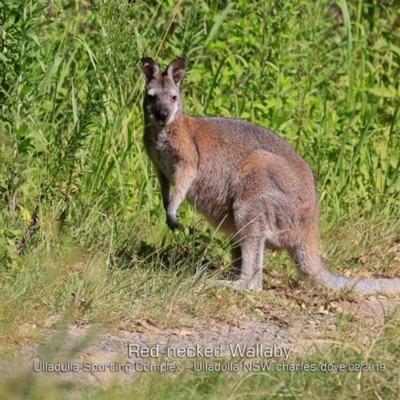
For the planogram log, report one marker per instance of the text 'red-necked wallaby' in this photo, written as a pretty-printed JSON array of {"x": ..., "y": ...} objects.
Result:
[{"x": 247, "y": 181}]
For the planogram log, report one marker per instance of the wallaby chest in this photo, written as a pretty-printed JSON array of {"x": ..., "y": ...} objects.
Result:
[{"x": 162, "y": 152}]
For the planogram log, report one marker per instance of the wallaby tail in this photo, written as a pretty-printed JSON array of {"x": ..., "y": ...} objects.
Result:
[
  {"x": 360, "y": 286},
  {"x": 309, "y": 264}
]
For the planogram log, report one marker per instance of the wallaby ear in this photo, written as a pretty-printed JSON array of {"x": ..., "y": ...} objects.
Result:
[
  {"x": 150, "y": 68},
  {"x": 177, "y": 69}
]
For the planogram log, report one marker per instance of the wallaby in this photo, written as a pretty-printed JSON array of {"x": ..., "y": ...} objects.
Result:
[{"x": 246, "y": 180}]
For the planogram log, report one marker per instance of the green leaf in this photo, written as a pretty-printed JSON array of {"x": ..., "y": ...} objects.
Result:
[
  {"x": 381, "y": 91},
  {"x": 25, "y": 90},
  {"x": 11, "y": 234},
  {"x": 3, "y": 58},
  {"x": 22, "y": 129},
  {"x": 52, "y": 70},
  {"x": 394, "y": 161},
  {"x": 218, "y": 23},
  {"x": 394, "y": 49},
  {"x": 33, "y": 37},
  {"x": 74, "y": 105},
  {"x": 25, "y": 145}
]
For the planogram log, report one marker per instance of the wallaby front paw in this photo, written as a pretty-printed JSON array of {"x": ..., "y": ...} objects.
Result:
[{"x": 173, "y": 223}]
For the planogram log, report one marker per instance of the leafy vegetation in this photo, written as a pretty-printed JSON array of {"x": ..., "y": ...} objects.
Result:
[{"x": 82, "y": 230}]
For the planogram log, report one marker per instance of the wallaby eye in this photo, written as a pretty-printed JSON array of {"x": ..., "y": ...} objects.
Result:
[{"x": 174, "y": 98}]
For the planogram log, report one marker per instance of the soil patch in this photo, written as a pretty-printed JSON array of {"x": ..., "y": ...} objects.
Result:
[{"x": 87, "y": 355}]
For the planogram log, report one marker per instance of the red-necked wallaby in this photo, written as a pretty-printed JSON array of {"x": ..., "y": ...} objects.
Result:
[{"x": 247, "y": 181}]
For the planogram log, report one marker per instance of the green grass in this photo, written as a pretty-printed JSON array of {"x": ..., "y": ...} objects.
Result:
[
  {"x": 326, "y": 79},
  {"x": 275, "y": 384},
  {"x": 310, "y": 376}
]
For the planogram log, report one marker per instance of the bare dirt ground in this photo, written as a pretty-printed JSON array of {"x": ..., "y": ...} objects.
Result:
[{"x": 89, "y": 355}]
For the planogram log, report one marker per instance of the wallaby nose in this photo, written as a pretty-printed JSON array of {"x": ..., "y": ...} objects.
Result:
[{"x": 163, "y": 115}]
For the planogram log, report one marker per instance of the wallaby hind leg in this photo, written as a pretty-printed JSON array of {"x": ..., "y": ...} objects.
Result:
[
  {"x": 246, "y": 268},
  {"x": 262, "y": 214},
  {"x": 252, "y": 262},
  {"x": 249, "y": 271},
  {"x": 251, "y": 237},
  {"x": 236, "y": 267}
]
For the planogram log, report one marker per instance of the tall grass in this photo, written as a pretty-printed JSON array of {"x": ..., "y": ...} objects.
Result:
[{"x": 325, "y": 79}]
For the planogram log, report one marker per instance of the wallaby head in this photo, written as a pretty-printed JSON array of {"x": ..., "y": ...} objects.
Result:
[{"x": 162, "y": 102}]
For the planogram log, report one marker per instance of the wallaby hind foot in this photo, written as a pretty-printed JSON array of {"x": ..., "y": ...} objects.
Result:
[
  {"x": 246, "y": 180},
  {"x": 240, "y": 284}
]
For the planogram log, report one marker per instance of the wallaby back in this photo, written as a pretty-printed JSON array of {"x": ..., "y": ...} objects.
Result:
[{"x": 246, "y": 180}]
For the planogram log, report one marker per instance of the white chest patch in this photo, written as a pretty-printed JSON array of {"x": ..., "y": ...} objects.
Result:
[{"x": 164, "y": 156}]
